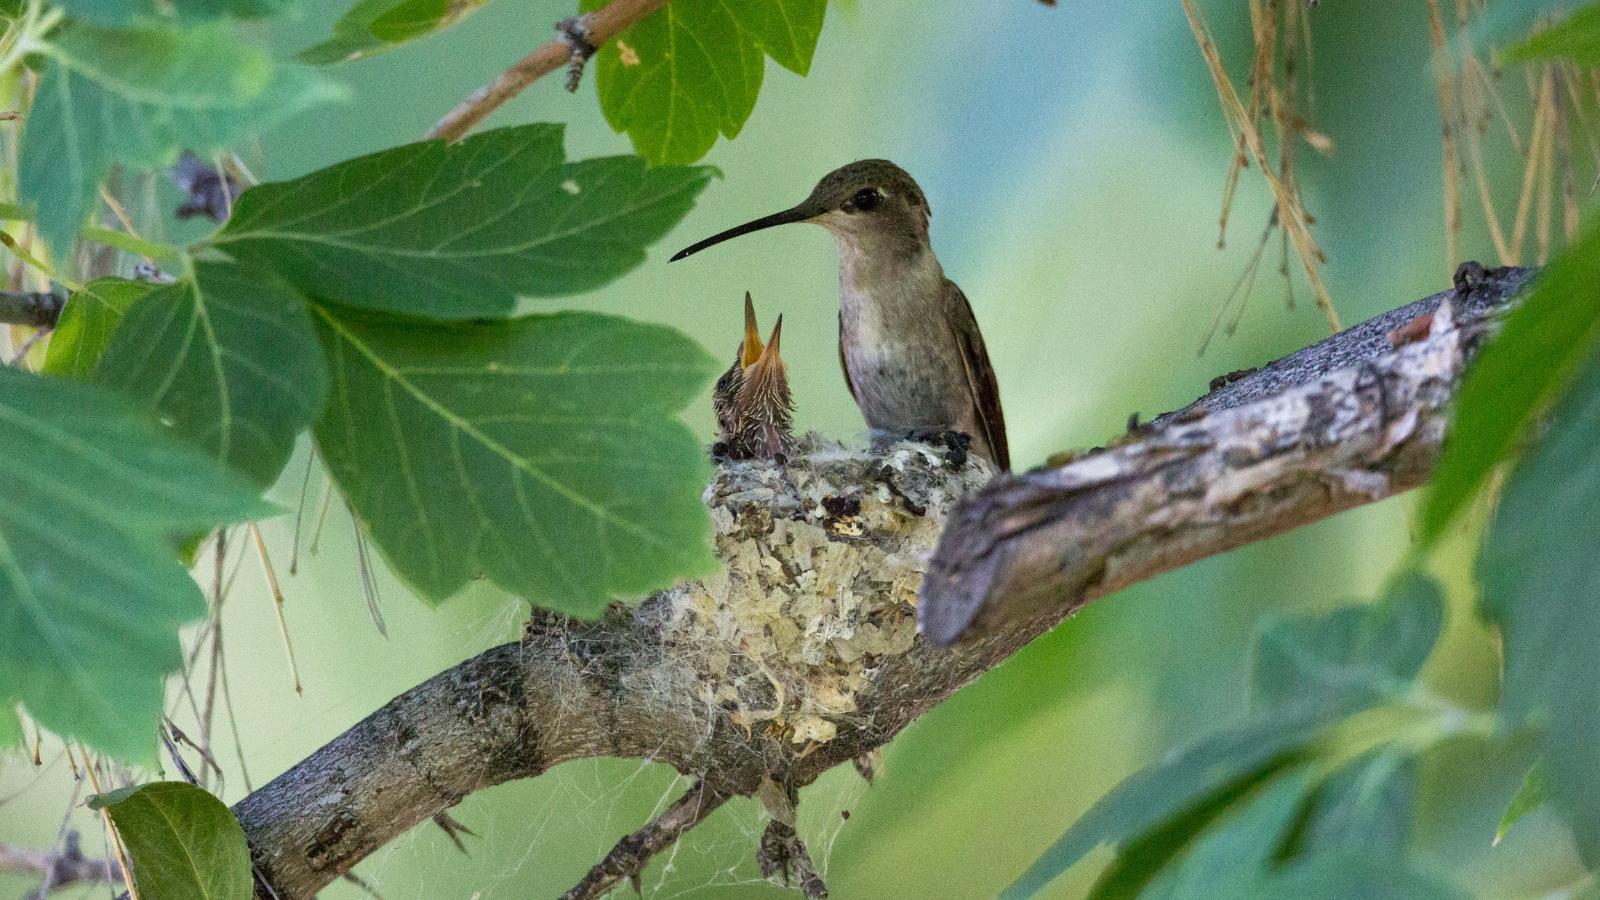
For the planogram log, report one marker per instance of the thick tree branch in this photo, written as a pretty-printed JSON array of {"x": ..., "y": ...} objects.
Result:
[
  {"x": 600, "y": 27},
  {"x": 1347, "y": 421},
  {"x": 38, "y": 309},
  {"x": 803, "y": 654}
]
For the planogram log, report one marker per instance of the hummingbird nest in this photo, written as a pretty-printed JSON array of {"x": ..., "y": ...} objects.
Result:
[{"x": 822, "y": 558}]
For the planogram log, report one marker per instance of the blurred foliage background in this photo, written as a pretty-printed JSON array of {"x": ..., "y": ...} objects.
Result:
[{"x": 1074, "y": 158}]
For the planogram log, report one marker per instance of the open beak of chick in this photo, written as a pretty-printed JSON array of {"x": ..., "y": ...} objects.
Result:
[{"x": 752, "y": 401}]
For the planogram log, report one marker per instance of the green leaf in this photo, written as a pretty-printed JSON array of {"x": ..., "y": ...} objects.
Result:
[
  {"x": 130, "y": 244},
  {"x": 120, "y": 13},
  {"x": 91, "y": 590},
  {"x": 1529, "y": 797},
  {"x": 459, "y": 231},
  {"x": 1373, "y": 650},
  {"x": 87, "y": 323},
  {"x": 1308, "y": 673},
  {"x": 1516, "y": 376},
  {"x": 1345, "y": 876},
  {"x": 1178, "y": 796},
  {"x": 1540, "y": 570},
  {"x": 1365, "y": 807},
  {"x": 539, "y": 451},
  {"x": 10, "y": 728},
  {"x": 134, "y": 97},
  {"x": 1577, "y": 39},
  {"x": 183, "y": 843},
  {"x": 1344, "y": 837},
  {"x": 1233, "y": 851},
  {"x": 378, "y": 26},
  {"x": 692, "y": 70},
  {"x": 230, "y": 359}
]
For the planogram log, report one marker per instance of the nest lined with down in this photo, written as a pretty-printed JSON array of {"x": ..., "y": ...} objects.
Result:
[{"x": 823, "y": 556}]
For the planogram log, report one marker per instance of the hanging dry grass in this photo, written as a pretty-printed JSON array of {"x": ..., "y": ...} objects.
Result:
[
  {"x": 1279, "y": 102},
  {"x": 1473, "y": 110}
]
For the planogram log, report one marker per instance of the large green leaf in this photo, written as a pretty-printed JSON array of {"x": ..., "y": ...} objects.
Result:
[
  {"x": 1540, "y": 570},
  {"x": 86, "y": 325},
  {"x": 1374, "y": 651},
  {"x": 692, "y": 70},
  {"x": 459, "y": 231},
  {"x": 134, "y": 96},
  {"x": 1365, "y": 807},
  {"x": 1577, "y": 39},
  {"x": 1517, "y": 376},
  {"x": 119, "y": 13},
  {"x": 1177, "y": 797},
  {"x": 1345, "y": 876},
  {"x": 540, "y": 451},
  {"x": 91, "y": 589},
  {"x": 1232, "y": 851},
  {"x": 378, "y": 26},
  {"x": 230, "y": 359},
  {"x": 183, "y": 843},
  {"x": 1344, "y": 837},
  {"x": 1331, "y": 667}
]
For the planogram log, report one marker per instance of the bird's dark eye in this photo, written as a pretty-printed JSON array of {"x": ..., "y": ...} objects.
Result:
[{"x": 867, "y": 199}]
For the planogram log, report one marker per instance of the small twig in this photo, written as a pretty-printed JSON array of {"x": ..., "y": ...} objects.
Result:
[
  {"x": 211, "y": 765},
  {"x": 322, "y": 513},
  {"x": 602, "y": 25},
  {"x": 28, "y": 345},
  {"x": 453, "y": 830},
  {"x": 233, "y": 725},
  {"x": 783, "y": 853},
  {"x": 300, "y": 512},
  {"x": 111, "y": 828},
  {"x": 369, "y": 585},
  {"x": 57, "y": 870},
  {"x": 177, "y": 758},
  {"x": 632, "y": 853},
  {"x": 277, "y": 603}
]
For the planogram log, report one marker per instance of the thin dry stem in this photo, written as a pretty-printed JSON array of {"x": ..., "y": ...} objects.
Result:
[
  {"x": 1452, "y": 164},
  {"x": 1530, "y": 172},
  {"x": 111, "y": 829},
  {"x": 277, "y": 603},
  {"x": 1291, "y": 215}
]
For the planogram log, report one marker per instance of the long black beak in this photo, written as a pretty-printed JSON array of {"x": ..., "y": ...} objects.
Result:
[{"x": 800, "y": 213}]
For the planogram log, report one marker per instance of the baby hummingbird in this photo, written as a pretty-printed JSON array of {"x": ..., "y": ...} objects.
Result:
[
  {"x": 754, "y": 409},
  {"x": 912, "y": 354}
]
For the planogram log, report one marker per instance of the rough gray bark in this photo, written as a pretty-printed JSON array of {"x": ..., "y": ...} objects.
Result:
[
  {"x": 1347, "y": 421},
  {"x": 800, "y": 657},
  {"x": 33, "y": 308}
]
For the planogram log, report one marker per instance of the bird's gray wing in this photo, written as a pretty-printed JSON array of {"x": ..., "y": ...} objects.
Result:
[
  {"x": 844, "y": 366},
  {"x": 980, "y": 375}
]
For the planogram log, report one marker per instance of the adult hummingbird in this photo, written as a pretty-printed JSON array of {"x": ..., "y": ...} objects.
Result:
[
  {"x": 752, "y": 401},
  {"x": 912, "y": 354}
]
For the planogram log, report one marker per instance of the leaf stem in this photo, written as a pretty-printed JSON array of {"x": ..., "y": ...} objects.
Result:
[{"x": 603, "y": 25}]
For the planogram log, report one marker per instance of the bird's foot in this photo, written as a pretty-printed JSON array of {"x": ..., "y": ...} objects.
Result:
[{"x": 955, "y": 443}]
